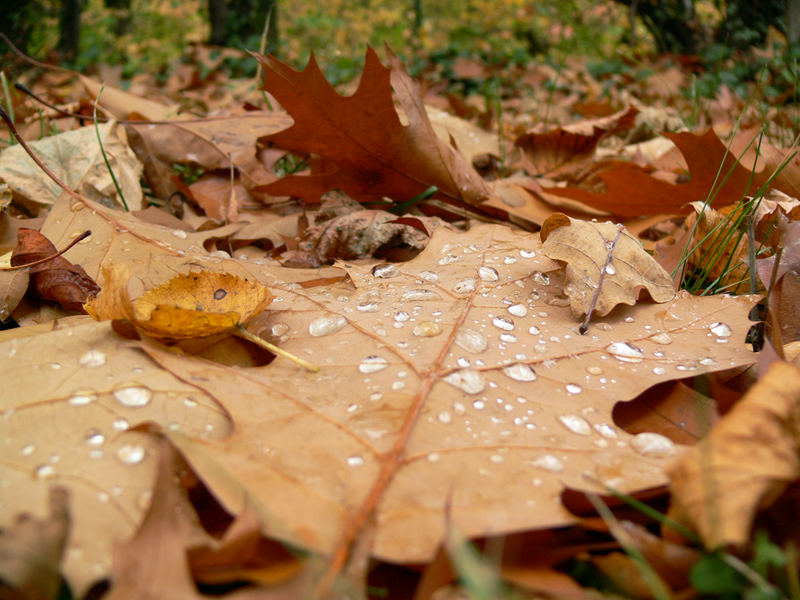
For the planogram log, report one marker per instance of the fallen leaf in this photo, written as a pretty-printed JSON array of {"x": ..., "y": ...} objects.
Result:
[
  {"x": 377, "y": 155},
  {"x": 745, "y": 463},
  {"x": 58, "y": 279},
  {"x": 604, "y": 256},
  {"x": 13, "y": 285}
]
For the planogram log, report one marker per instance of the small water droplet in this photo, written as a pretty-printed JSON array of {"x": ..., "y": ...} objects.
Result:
[
  {"x": 472, "y": 382},
  {"x": 444, "y": 417},
  {"x": 509, "y": 260},
  {"x": 625, "y": 352},
  {"x": 541, "y": 278},
  {"x": 55, "y": 366},
  {"x": 518, "y": 310},
  {"x": 94, "y": 437},
  {"x": 576, "y": 424},
  {"x": 659, "y": 370},
  {"x": 326, "y": 325},
  {"x": 479, "y": 404},
  {"x": 527, "y": 253},
  {"x": 594, "y": 370},
  {"x": 356, "y": 460},
  {"x": 520, "y": 372},
  {"x": 653, "y": 444},
  {"x": 496, "y": 458},
  {"x": 92, "y": 358},
  {"x": 375, "y": 396},
  {"x": 279, "y": 329},
  {"x": 420, "y": 294},
  {"x": 606, "y": 430},
  {"x": 180, "y": 234},
  {"x": 401, "y": 316},
  {"x": 610, "y": 270},
  {"x": 662, "y": 338},
  {"x": 131, "y": 454},
  {"x": 120, "y": 424},
  {"x": 45, "y": 471},
  {"x": 373, "y": 364},
  {"x": 503, "y": 323},
  {"x": 509, "y": 338},
  {"x": 488, "y": 274},
  {"x": 133, "y": 396},
  {"x": 573, "y": 388},
  {"x": 722, "y": 330},
  {"x": 465, "y": 286},
  {"x": 449, "y": 259},
  {"x": 429, "y": 276},
  {"x": 427, "y": 329},
  {"x": 385, "y": 271},
  {"x": 81, "y": 398},
  {"x": 367, "y": 307},
  {"x": 28, "y": 449},
  {"x": 534, "y": 330},
  {"x": 707, "y": 361},
  {"x": 548, "y": 462},
  {"x": 471, "y": 340}
]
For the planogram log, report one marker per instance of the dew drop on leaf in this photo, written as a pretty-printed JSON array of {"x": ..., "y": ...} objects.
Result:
[
  {"x": 520, "y": 372},
  {"x": 131, "y": 454},
  {"x": 428, "y": 276},
  {"x": 465, "y": 286},
  {"x": 576, "y": 424},
  {"x": 385, "y": 271},
  {"x": 133, "y": 396},
  {"x": 659, "y": 370},
  {"x": 548, "y": 462},
  {"x": 503, "y": 323},
  {"x": 471, "y": 340},
  {"x": 652, "y": 444},
  {"x": 610, "y": 270},
  {"x": 326, "y": 325},
  {"x": 92, "y": 358},
  {"x": 488, "y": 274},
  {"x": 367, "y": 307},
  {"x": 722, "y": 330},
  {"x": 449, "y": 259},
  {"x": 401, "y": 316},
  {"x": 355, "y": 460},
  {"x": 444, "y": 417},
  {"x": 508, "y": 337},
  {"x": 427, "y": 329},
  {"x": 573, "y": 388},
  {"x": 518, "y": 310},
  {"x": 594, "y": 370},
  {"x": 28, "y": 449},
  {"x": 472, "y": 382},
  {"x": 94, "y": 438},
  {"x": 420, "y": 294},
  {"x": 662, "y": 338},
  {"x": 45, "y": 471},
  {"x": 279, "y": 329},
  {"x": 527, "y": 253},
  {"x": 81, "y": 398},
  {"x": 373, "y": 364},
  {"x": 120, "y": 424},
  {"x": 625, "y": 352},
  {"x": 606, "y": 430}
]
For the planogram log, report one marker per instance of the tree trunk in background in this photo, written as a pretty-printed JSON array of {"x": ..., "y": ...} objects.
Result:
[
  {"x": 70, "y": 28},
  {"x": 419, "y": 16},
  {"x": 241, "y": 22},
  {"x": 793, "y": 21},
  {"x": 218, "y": 16}
]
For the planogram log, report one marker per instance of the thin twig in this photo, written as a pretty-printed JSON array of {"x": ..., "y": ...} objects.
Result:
[
  {"x": 82, "y": 236},
  {"x": 585, "y": 325}
]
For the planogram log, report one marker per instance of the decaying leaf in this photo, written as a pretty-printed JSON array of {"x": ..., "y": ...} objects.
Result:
[
  {"x": 58, "y": 279},
  {"x": 604, "y": 256},
  {"x": 194, "y": 305},
  {"x": 745, "y": 463},
  {"x": 377, "y": 155}
]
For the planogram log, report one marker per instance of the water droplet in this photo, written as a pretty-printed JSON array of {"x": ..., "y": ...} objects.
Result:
[
  {"x": 610, "y": 270},
  {"x": 496, "y": 458},
  {"x": 92, "y": 358},
  {"x": 120, "y": 424},
  {"x": 653, "y": 444},
  {"x": 534, "y": 330},
  {"x": 573, "y": 388},
  {"x": 548, "y": 462},
  {"x": 367, "y": 307},
  {"x": 180, "y": 234},
  {"x": 81, "y": 398},
  {"x": 606, "y": 430},
  {"x": 420, "y": 294},
  {"x": 488, "y": 274},
  {"x": 28, "y": 449},
  {"x": 509, "y": 338},
  {"x": 520, "y": 372},
  {"x": 659, "y": 370},
  {"x": 427, "y": 329},
  {"x": 428, "y": 276},
  {"x": 707, "y": 361},
  {"x": 385, "y": 271},
  {"x": 102, "y": 497},
  {"x": 356, "y": 460},
  {"x": 662, "y": 338},
  {"x": 468, "y": 380},
  {"x": 518, "y": 310},
  {"x": 576, "y": 424},
  {"x": 503, "y": 323},
  {"x": 55, "y": 366},
  {"x": 94, "y": 437},
  {"x": 401, "y": 316},
  {"x": 279, "y": 329},
  {"x": 326, "y": 325},
  {"x": 373, "y": 364},
  {"x": 594, "y": 370},
  {"x": 509, "y": 260},
  {"x": 444, "y": 417},
  {"x": 45, "y": 471},
  {"x": 449, "y": 259},
  {"x": 131, "y": 454},
  {"x": 375, "y": 396},
  {"x": 527, "y": 253},
  {"x": 133, "y": 396},
  {"x": 722, "y": 330},
  {"x": 471, "y": 340},
  {"x": 625, "y": 352},
  {"x": 479, "y": 404},
  {"x": 465, "y": 286},
  {"x": 542, "y": 278}
]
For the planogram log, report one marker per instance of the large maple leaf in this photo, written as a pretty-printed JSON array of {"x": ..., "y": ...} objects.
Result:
[{"x": 377, "y": 155}]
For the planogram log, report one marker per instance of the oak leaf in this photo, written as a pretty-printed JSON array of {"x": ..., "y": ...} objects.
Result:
[{"x": 605, "y": 265}]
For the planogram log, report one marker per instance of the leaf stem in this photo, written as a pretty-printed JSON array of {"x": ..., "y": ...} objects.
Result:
[
  {"x": 244, "y": 334},
  {"x": 82, "y": 236}
]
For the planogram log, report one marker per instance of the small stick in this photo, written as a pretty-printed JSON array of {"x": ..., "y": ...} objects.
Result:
[
  {"x": 82, "y": 236},
  {"x": 585, "y": 325},
  {"x": 243, "y": 333}
]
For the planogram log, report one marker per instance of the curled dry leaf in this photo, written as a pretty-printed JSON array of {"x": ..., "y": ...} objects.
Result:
[
  {"x": 58, "y": 279},
  {"x": 602, "y": 255},
  {"x": 194, "y": 305},
  {"x": 745, "y": 463}
]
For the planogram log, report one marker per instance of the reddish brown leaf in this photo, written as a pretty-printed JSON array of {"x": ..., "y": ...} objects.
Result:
[{"x": 57, "y": 279}]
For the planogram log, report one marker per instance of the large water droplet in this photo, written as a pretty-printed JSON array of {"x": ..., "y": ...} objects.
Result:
[
  {"x": 518, "y": 310},
  {"x": 527, "y": 253},
  {"x": 625, "y": 352},
  {"x": 428, "y": 276},
  {"x": 279, "y": 329},
  {"x": 488, "y": 274},
  {"x": 427, "y": 329},
  {"x": 503, "y": 323},
  {"x": 92, "y": 358},
  {"x": 465, "y": 286},
  {"x": 471, "y": 340},
  {"x": 722, "y": 330},
  {"x": 133, "y": 396},
  {"x": 653, "y": 444},
  {"x": 385, "y": 271},
  {"x": 326, "y": 325},
  {"x": 420, "y": 295},
  {"x": 576, "y": 424},
  {"x": 373, "y": 364},
  {"x": 610, "y": 270},
  {"x": 468, "y": 380},
  {"x": 548, "y": 462},
  {"x": 131, "y": 454},
  {"x": 520, "y": 372}
]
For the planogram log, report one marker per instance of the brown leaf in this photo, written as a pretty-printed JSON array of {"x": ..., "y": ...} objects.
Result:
[
  {"x": 13, "y": 285},
  {"x": 377, "y": 155},
  {"x": 743, "y": 466},
  {"x": 31, "y": 550},
  {"x": 58, "y": 279},
  {"x": 602, "y": 255}
]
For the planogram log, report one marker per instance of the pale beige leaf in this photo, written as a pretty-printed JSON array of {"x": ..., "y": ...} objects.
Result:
[
  {"x": 13, "y": 285},
  {"x": 585, "y": 248}
]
